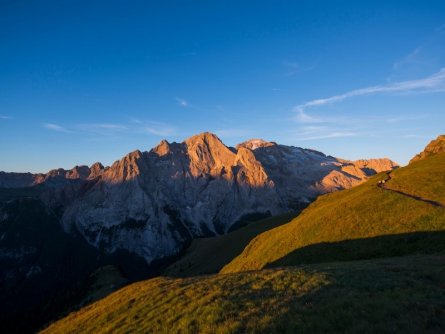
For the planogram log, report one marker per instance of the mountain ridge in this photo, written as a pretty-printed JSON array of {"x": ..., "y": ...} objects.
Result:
[{"x": 153, "y": 203}]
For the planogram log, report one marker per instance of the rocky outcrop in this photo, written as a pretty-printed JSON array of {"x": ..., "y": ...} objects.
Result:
[
  {"x": 434, "y": 147},
  {"x": 153, "y": 203},
  {"x": 372, "y": 166}
]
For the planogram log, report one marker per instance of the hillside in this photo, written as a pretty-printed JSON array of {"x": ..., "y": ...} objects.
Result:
[
  {"x": 210, "y": 255},
  {"x": 387, "y": 295},
  {"x": 364, "y": 222},
  {"x": 434, "y": 147},
  {"x": 423, "y": 178}
]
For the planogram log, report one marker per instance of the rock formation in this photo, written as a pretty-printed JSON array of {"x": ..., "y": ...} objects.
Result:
[
  {"x": 434, "y": 147},
  {"x": 153, "y": 203}
]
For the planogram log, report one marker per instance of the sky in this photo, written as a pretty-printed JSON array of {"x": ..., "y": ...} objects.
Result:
[{"x": 87, "y": 81}]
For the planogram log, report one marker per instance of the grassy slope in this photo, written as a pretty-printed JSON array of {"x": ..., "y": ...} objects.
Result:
[
  {"x": 363, "y": 212},
  {"x": 209, "y": 255},
  {"x": 399, "y": 294},
  {"x": 424, "y": 178}
]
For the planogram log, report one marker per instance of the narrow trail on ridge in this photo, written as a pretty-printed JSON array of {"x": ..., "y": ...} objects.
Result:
[{"x": 418, "y": 198}]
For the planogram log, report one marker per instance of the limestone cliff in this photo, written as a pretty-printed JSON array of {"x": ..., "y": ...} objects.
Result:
[{"x": 153, "y": 203}]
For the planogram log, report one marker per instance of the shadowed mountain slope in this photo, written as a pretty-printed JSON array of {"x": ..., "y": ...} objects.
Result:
[{"x": 209, "y": 255}]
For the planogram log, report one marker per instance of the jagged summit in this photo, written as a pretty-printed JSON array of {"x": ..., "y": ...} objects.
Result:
[
  {"x": 153, "y": 203},
  {"x": 434, "y": 147},
  {"x": 162, "y": 148},
  {"x": 208, "y": 137}
]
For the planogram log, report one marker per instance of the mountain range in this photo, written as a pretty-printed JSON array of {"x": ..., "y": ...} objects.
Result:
[
  {"x": 142, "y": 211},
  {"x": 365, "y": 259},
  {"x": 153, "y": 203}
]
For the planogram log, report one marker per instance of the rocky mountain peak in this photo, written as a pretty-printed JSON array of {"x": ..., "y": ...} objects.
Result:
[
  {"x": 207, "y": 138},
  {"x": 252, "y": 169},
  {"x": 96, "y": 170},
  {"x": 208, "y": 153},
  {"x": 253, "y": 144},
  {"x": 128, "y": 168},
  {"x": 434, "y": 147},
  {"x": 78, "y": 172},
  {"x": 163, "y": 148}
]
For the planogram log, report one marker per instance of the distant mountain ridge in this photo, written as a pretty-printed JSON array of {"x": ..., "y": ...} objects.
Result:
[
  {"x": 153, "y": 203},
  {"x": 19, "y": 180}
]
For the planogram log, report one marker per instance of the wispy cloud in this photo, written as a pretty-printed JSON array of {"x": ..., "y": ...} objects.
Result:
[
  {"x": 4, "y": 117},
  {"x": 433, "y": 83},
  {"x": 110, "y": 130},
  {"x": 294, "y": 68},
  {"x": 405, "y": 119},
  {"x": 416, "y": 136},
  {"x": 55, "y": 127},
  {"x": 330, "y": 135},
  {"x": 160, "y": 131},
  {"x": 182, "y": 103},
  {"x": 156, "y": 128},
  {"x": 115, "y": 130},
  {"x": 427, "y": 53},
  {"x": 316, "y": 132},
  {"x": 103, "y": 126},
  {"x": 412, "y": 57}
]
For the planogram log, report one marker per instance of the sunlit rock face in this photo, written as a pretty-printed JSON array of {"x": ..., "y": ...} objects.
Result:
[
  {"x": 434, "y": 147},
  {"x": 153, "y": 203}
]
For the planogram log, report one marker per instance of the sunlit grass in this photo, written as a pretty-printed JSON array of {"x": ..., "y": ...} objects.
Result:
[
  {"x": 362, "y": 212},
  {"x": 424, "y": 178}
]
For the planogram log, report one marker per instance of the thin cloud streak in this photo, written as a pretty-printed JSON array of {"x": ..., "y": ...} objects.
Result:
[
  {"x": 103, "y": 126},
  {"x": 161, "y": 132},
  {"x": 182, "y": 103},
  {"x": 433, "y": 83},
  {"x": 294, "y": 68},
  {"x": 330, "y": 135},
  {"x": 425, "y": 53},
  {"x": 405, "y": 119},
  {"x": 55, "y": 127},
  {"x": 409, "y": 59}
]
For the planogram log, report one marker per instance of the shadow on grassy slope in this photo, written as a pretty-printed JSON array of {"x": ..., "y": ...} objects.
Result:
[
  {"x": 209, "y": 255},
  {"x": 403, "y": 294},
  {"x": 366, "y": 248}
]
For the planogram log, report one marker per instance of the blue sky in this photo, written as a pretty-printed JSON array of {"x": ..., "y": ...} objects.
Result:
[{"x": 84, "y": 81}]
